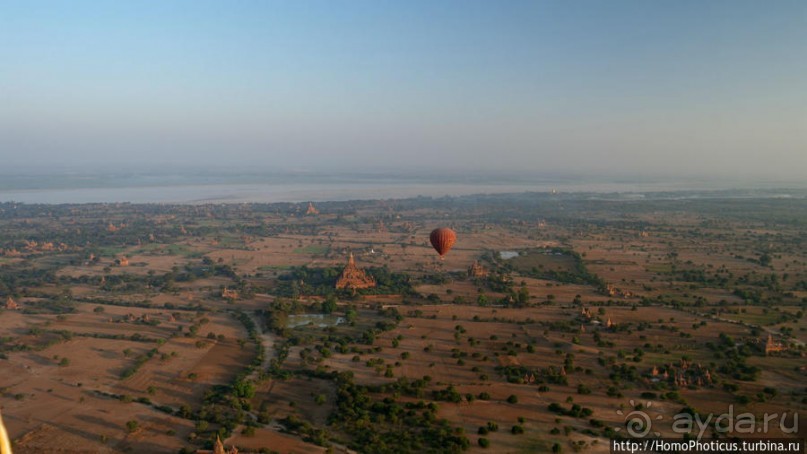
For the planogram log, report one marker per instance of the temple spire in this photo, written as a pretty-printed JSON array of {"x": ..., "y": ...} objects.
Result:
[{"x": 219, "y": 447}]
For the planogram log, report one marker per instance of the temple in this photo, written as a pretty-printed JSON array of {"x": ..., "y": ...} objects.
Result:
[
  {"x": 112, "y": 228},
  {"x": 610, "y": 290},
  {"x": 218, "y": 448},
  {"x": 683, "y": 374},
  {"x": 771, "y": 346},
  {"x": 11, "y": 304},
  {"x": 311, "y": 209},
  {"x": 477, "y": 271},
  {"x": 229, "y": 294},
  {"x": 353, "y": 277}
]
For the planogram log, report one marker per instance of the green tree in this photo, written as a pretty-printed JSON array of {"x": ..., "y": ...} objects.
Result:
[
  {"x": 523, "y": 297},
  {"x": 132, "y": 425},
  {"x": 329, "y": 305},
  {"x": 244, "y": 389},
  {"x": 351, "y": 315},
  {"x": 482, "y": 299}
]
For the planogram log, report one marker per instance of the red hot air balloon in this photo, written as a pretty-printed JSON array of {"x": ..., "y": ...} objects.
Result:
[{"x": 442, "y": 240}]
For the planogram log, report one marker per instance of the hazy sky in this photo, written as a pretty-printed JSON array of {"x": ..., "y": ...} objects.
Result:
[{"x": 601, "y": 87}]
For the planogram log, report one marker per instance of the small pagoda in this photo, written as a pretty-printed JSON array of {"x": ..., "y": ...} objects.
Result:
[
  {"x": 11, "y": 304},
  {"x": 312, "y": 210},
  {"x": 218, "y": 448},
  {"x": 771, "y": 346},
  {"x": 477, "y": 270},
  {"x": 229, "y": 294},
  {"x": 353, "y": 277}
]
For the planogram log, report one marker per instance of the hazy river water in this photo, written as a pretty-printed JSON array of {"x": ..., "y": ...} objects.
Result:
[{"x": 301, "y": 192}]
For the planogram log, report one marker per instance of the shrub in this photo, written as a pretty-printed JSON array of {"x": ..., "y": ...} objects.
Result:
[{"x": 132, "y": 425}]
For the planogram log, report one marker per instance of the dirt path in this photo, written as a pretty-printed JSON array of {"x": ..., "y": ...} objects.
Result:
[
  {"x": 268, "y": 340},
  {"x": 767, "y": 330}
]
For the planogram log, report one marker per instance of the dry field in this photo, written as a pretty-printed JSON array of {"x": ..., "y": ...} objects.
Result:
[{"x": 152, "y": 357}]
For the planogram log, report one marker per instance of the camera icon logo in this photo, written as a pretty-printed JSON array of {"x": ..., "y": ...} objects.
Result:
[{"x": 639, "y": 423}]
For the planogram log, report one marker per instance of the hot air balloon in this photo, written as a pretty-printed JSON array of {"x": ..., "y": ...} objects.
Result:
[{"x": 442, "y": 240}]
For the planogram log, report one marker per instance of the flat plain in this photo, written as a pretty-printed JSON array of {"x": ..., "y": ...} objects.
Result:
[{"x": 158, "y": 328}]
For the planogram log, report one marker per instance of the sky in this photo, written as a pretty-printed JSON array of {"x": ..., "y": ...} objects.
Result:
[{"x": 609, "y": 88}]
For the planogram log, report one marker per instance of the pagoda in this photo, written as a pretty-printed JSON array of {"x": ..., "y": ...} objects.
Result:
[
  {"x": 477, "y": 271},
  {"x": 229, "y": 294},
  {"x": 353, "y": 277},
  {"x": 771, "y": 346},
  {"x": 311, "y": 209},
  {"x": 11, "y": 304},
  {"x": 218, "y": 448}
]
